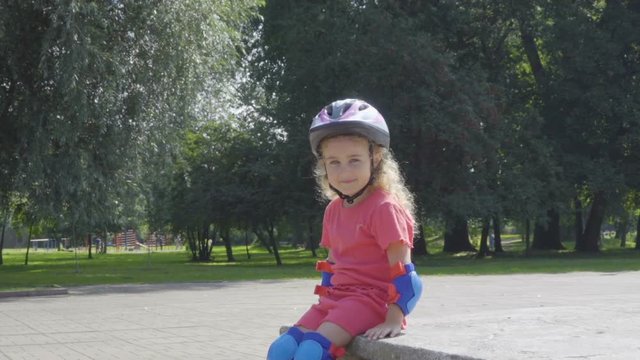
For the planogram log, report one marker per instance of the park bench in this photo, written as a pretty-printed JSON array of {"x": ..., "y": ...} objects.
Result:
[{"x": 43, "y": 243}]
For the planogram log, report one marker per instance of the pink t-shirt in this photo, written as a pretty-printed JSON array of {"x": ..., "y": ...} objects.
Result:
[{"x": 359, "y": 236}]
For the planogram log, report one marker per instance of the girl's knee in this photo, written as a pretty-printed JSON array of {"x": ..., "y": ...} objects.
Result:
[
  {"x": 286, "y": 345},
  {"x": 315, "y": 346}
]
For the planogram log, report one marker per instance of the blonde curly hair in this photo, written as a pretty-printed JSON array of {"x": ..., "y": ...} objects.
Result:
[{"x": 387, "y": 176}]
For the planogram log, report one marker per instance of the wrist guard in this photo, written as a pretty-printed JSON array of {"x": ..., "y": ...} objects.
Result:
[{"x": 405, "y": 288}]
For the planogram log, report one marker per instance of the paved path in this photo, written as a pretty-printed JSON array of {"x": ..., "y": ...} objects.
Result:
[{"x": 564, "y": 316}]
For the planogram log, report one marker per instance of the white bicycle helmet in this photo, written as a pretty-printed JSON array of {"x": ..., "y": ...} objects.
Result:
[{"x": 348, "y": 116}]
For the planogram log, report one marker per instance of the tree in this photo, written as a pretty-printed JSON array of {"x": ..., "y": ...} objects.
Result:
[
  {"x": 92, "y": 91},
  {"x": 387, "y": 54},
  {"x": 638, "y": 233},
  {"x": 588, "y": 93},
  {"x": 223, "y": 181}
]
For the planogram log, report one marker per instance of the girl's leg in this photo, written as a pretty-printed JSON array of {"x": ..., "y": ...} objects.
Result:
[
  {"x": 336, "y": 334},
  {"x": 326, "y": 343}
]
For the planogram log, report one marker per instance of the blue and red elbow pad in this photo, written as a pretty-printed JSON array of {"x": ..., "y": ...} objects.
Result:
[
  {"x": 325, "y": 268},
  {"x": 405, "y": 288}
]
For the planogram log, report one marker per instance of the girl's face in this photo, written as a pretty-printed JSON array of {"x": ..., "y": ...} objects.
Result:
[{"x": 348, "y": 163}]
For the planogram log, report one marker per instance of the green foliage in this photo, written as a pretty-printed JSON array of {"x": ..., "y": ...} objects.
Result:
[
  {"x": 193, "y": 115},
  {"x": 95, "y": 95},
  {"x": 495, "y": 108},
  {"x": 436, "y": 110}
]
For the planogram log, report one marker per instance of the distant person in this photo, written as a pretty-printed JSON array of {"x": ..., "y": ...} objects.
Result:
[{"x": 368, "y": 282}]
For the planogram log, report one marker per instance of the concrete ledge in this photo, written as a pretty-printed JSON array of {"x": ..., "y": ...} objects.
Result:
[
  {"x": 33, "y": 292},
  {"x": 392, "y": 349}
]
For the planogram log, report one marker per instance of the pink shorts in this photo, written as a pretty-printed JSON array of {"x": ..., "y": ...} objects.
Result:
[{"x": 352, "y": 308}]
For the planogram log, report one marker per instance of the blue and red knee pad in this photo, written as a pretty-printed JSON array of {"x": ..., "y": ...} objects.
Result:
[
  {"x": 296, "y": 345},
  {"x": 405, "y": 288},
  {"x": 286, "y": 345}
]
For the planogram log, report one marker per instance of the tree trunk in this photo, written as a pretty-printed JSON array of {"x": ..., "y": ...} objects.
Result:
[
  {"x": 546, "y": 234},
  {"x": 274, "y": 245},
  {"x": 419, "y": 243},
  {"x": 75, "y": 247},
  {"x": 527, "y": 237},
  {"x": 591, "y": 235},
  {"x": 622, "y": 228},
  {"x": 261, "y": 239},
  {"x": 638, "y": 234},
  {"x": 579, "y": 224},
  {"x": 207, "y": 240},
  {"x": 105, "y": 240},
  {"x": 227, "y": 245},
  {"x": 191, "y": 241},
  {"x": 497, "y": 240},
  {"x": 4, "y": 225},
  {"x": 246, "y": 244},
  {"x": 484, "y": 249},
  {"x": 531, "y": 51},
  {"x": 90, "y": 245},
  {"x": 26, "y": 258},
  {"x": 200, "y": 243},
  {"x": 202, "y": 238},
  {"x": 312, "y": 242},
  {"x": 456, "y": 237}
]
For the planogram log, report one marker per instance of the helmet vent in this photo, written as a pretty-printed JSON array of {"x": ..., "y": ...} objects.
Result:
[
  {"x": 329, "y": 110},
  {"x": 345, "y": 108},
  {"x": 363, "y": 107}
]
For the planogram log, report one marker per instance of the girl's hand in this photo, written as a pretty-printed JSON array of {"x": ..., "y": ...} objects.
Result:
[
  {"x": 390, "y": 327},
  {"x": 385, "y": 329}
]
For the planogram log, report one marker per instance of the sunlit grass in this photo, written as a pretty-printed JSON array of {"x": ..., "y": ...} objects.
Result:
[
  {"x": 66, "y": 268},
  {"x": 51, "y": 268},
  {"x": 514, "y": 260}
]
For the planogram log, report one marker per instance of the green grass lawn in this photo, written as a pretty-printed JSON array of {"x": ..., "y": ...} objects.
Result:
[
  {"x": 513, "y": 261},
  {"x": 59, "y": 268}
]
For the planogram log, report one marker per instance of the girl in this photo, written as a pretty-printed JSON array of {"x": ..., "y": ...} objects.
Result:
[{"x": 368, "y": 282}]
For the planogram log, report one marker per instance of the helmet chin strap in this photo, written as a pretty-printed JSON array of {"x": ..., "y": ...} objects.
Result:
[{"x": 351, "y": 199}]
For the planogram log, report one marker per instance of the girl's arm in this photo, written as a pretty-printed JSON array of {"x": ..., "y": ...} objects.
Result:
[
  {"x": 329, "y": 256},
  {"x": 397, "y": 252}
]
